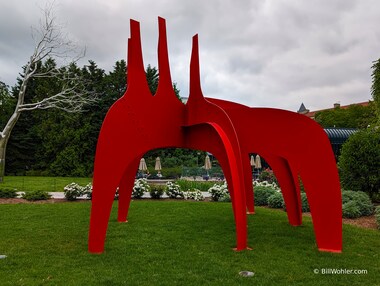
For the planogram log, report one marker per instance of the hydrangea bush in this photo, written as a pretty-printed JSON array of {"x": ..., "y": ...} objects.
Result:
[
  {"x": 173, "y": 191},
  {"x": 225, "y": 197},
  {"x": 218, "y": 191},
  {"x": 267, "y": 184},
  {"x": 194, "y": 194},
  {"x": 87, "y": 190},
  {"x": 72, "y": 191},
  {"x": 141, "y": 186}
]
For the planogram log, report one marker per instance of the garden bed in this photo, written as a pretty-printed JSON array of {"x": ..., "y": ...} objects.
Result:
[{"x": 365, "y": 221}]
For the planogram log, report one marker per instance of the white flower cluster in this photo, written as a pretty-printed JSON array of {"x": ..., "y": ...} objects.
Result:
[
  {"x": 265, "y": 184},
  {"x": 140, "y": 187},
  {"x": 173, "y": 191},
  {"x": 73, "y": 191},
  {"x": 87, "y": 190},
  {"x": 219, "y": 191},
  {"x": 195, "y": 195}
]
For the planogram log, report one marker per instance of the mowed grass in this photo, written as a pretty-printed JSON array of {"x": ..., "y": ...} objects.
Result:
[
  {"x": 173, "y": 243},
  {"x": 48, "y": 184}
]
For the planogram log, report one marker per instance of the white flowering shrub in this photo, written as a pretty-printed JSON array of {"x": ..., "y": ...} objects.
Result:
[
  {"x": 265, "y": 184},
  {"x": 225, "y": 197},
  {"x": 141, "y": 186},
  {"x": 219, "y": 191},
  {"x": 194, "y": 194},
  {"x": 87, "y": 191},
  {"x": 72, "y": 191},
  {"x": 173, "y": 191}
]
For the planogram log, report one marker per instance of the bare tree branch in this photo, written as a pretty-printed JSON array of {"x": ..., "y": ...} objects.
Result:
[{"x": 50, "y": 42}]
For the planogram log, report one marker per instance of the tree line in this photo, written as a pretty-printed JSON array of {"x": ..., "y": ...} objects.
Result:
[{"x": 56, "y": 143}]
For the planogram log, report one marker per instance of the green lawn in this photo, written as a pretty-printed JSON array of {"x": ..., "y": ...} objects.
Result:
[
  {"x": 173, "y": 243},
  {"x": 49, "y": 184}
]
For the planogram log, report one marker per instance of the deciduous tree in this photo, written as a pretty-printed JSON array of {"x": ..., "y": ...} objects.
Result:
[{"x": 375, "y": 90}]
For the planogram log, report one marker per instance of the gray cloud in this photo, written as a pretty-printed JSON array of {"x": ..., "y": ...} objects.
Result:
[{"x": 260, "y": 53}]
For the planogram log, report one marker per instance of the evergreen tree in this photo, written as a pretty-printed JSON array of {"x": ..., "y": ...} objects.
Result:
[
  {"x": 6, "y": 104},
  {"x": 152, "y": 78}
]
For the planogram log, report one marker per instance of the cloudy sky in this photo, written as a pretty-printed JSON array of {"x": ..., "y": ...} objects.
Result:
[{"x": 272, "y": 53}]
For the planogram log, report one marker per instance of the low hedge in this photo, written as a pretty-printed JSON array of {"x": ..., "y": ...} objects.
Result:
[
  {"x": 192, "y": 185},
  {"x": 350, "y": 210},
  {"x": 304, "y": 203},
  {"x": 156, "y": 191},
  {"x": 8, "y": 193},
  {"x": 36, "y": 196},
  {"x": 276, "y": 201},
  {"x": 360, "y": 200},
  {"x": 261, "y": 195}
]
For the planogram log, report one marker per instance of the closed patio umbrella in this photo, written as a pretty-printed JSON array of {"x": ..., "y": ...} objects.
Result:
[
  {"x": 158, "y": 166},
  {"x": 258, "y": 162},
  {"x": 207, "y": 165},
  {"x": 142, "y": 165},
  {"x": 253, "y": 161}
]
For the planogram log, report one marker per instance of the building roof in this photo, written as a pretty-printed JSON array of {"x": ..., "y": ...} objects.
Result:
[
  {"x": 302, "y": 109},
  {"x": 311, "y": 114},
  {"x": 339, "y": 135}
]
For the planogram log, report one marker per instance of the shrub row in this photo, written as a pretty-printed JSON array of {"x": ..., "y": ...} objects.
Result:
[
  {"x": 36, "y": 195},
  {"x": 356, "y": 204},
  {"x": 8, "y": 193},
  {"x": 141, "y": 186},
  {"x": 173, "y": 191}
]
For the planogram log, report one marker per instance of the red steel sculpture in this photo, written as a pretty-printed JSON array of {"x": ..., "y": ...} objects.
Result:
[{"x": 294, "y": 146}]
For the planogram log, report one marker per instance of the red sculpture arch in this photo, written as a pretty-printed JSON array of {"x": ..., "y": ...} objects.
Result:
[{"x": 293, "y": 148}]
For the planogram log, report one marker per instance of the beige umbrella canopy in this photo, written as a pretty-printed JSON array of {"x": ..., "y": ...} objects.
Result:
[
  {"x": 253, "y": 161},
  {"x": 158, "y": 166},
  {"x": 142, "y": 165},
  {"x": 258, "y": 162},
  {"x": 207, "y": 165}
]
